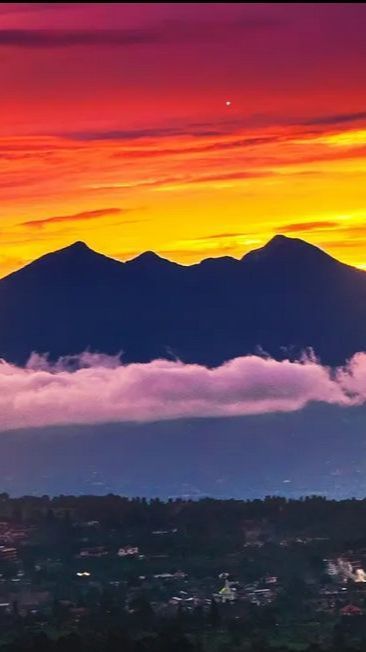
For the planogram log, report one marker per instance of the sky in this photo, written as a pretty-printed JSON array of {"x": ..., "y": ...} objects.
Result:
[{"x": 193, "y": 130}]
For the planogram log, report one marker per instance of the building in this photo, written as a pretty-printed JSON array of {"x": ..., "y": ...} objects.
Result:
[
  {"x": 8, "y": 554},
  {"x": 128, "y": 551},
  {"x": 351, "y": 610},
  {"x": 227, "y": 593},
  {"x": 99, "y": 551}
]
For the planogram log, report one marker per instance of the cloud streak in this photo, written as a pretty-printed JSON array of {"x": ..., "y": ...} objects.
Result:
[
  {"x": 76, "y": 217},
  {"x": 318, "y": 225},
  {"x": 181, "y": 181},
  {"x": 220, "y": 146},
  {"x": 336, "y": 118},
  {"x": 34, "y": 38},
  {"x": 95, "y": 388},
  {"x": 163, "y": 32}
]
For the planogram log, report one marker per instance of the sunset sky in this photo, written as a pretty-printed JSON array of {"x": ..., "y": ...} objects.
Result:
[{"x": 192, "y": 130}]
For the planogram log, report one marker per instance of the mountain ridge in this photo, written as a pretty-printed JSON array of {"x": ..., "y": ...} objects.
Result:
[
  {"x": 280, "y": 243},
  {"x": 283, "y": 298}
]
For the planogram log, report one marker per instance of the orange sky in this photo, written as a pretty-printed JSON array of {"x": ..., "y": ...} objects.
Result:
[{"x": 115, "y": 129}]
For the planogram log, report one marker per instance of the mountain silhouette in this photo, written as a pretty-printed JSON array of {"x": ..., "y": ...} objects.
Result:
[{"x": 283, "y": 298}]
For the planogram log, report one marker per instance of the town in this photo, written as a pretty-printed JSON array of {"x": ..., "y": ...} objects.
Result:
[{"x": 223, "y": 575}]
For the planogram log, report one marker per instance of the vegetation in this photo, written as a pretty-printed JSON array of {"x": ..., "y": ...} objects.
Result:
[{"x": 110, "y": 573}]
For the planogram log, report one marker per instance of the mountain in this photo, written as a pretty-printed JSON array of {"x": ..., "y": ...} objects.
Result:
[
  {"x": 318, "y": 450},
  {"x": 282, "y": 298}
]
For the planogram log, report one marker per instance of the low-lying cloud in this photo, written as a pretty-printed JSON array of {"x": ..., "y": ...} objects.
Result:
[{"x": 93, "y": 388}]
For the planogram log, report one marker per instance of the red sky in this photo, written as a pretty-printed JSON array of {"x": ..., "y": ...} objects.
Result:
[{"x": 115, "y": 129}]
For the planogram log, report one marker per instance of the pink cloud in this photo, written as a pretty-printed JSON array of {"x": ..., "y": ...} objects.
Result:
[{"x": 94, "y": 388}]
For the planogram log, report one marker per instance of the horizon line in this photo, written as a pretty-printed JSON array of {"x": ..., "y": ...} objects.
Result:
[{"x": 149, "y": 252}]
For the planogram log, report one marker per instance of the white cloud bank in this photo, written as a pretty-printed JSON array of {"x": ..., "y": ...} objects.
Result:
[{"x": 94, "y": 388}]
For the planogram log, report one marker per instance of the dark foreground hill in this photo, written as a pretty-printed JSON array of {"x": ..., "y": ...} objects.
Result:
[
  {"x": 318, "y": 450},
  {"x": 282, "y": 298}
]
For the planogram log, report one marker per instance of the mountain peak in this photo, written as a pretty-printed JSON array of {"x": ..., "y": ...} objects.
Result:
[
  {"x": 283, "y": 249},
  {"x": 149, "y": 259},
  {"x": 148, "y": 256},
  {"x": 280, "y": 239},
  {"x": 79, "y": 245},
  {"x": 75, "y": 249},
  {"x": 285, "y": 243},
  {"x": 75, "y": 259}
]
